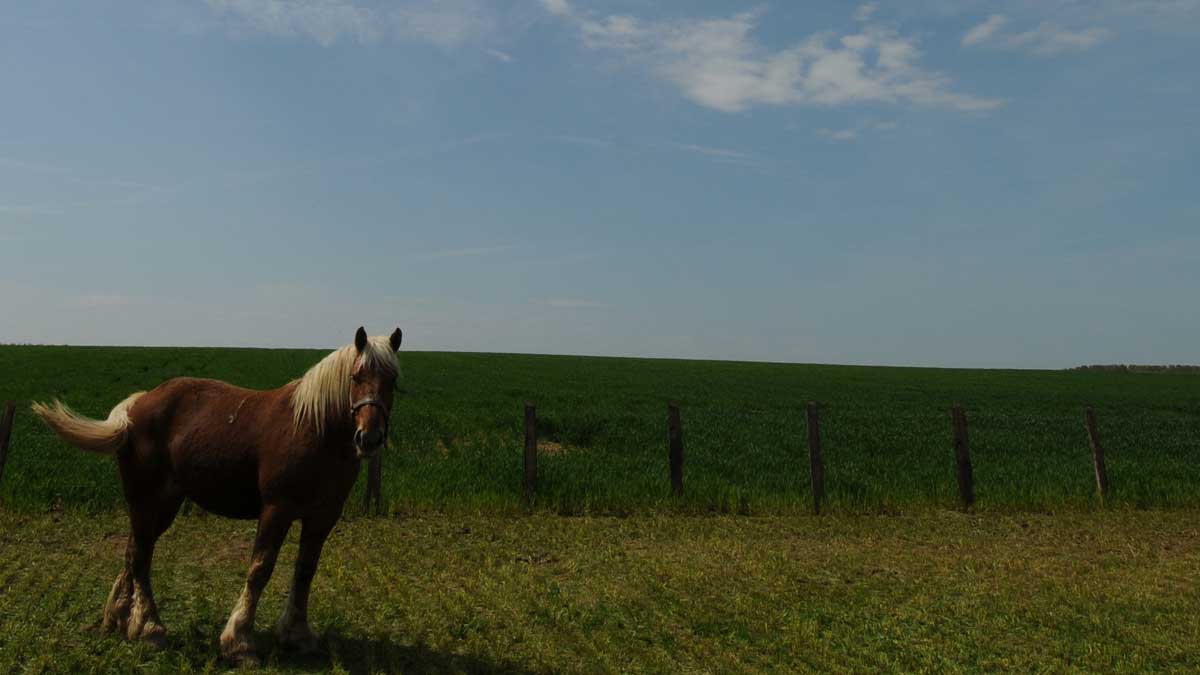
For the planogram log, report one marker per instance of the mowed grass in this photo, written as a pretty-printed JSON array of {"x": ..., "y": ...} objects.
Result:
[
  {"x": 457, "y": 431},
  {"x": 1100, "y": 591}
]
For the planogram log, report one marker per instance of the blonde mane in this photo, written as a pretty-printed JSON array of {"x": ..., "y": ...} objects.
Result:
[{"x": 322, "y": 396}]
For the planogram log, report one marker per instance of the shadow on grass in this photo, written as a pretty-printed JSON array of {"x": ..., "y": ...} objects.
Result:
[
  {"x": 371, "y": 655},
  {"x": 351, "y": 654}
]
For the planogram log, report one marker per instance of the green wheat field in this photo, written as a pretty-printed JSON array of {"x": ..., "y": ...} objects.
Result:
[{"x": 457, "y": 433}]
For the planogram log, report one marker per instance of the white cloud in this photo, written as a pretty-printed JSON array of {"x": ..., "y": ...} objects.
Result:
[
  {"x": 325, "y": 21},
  {"x": 446, "y": 23},
  {"x": 720, "y": 153},
  {"x": 984, "y": 30},
  {"x": 1047, "y": 39},
  {"x": 557, "y": 7},
  {"x": 840, "y": 135},
  {"x": 718, "y": 64},
  {"x": 865, "y": 11},
  {"x": 499, "y": 55}
]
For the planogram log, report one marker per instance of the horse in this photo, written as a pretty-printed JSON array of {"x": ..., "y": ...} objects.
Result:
[{"x": 278, "y": 456}]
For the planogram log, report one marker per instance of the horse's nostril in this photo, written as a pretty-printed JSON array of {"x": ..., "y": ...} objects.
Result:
[{"x": 368, "y": 439}]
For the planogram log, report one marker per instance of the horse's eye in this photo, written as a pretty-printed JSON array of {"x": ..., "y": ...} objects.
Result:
[{"x": 356, "y": 379}]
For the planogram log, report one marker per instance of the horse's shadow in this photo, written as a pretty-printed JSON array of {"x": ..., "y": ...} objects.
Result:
[
  {"x": 371, "y": 655},
  {"x": 357, "y": 654}
]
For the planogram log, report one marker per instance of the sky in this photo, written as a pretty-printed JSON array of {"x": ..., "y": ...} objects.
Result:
[{"x": 927, "y": 182}]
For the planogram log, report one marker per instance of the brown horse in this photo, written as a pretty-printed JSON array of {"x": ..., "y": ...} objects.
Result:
[{"x": 282, "y": 455}]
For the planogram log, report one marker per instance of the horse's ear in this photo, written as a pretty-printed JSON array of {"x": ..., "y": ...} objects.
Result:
[
  {"x": 360, "y": 339},
  {"x": 395, "y": 339}
]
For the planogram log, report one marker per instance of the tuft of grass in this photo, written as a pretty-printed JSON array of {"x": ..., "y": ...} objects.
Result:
[{"x": 457, "y": 433}]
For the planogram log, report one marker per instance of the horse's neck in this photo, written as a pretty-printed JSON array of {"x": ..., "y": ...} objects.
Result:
[{"x": 338, "y": 424}]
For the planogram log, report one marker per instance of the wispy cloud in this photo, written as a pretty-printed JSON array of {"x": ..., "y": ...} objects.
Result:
[
  {"x": 467, "y": 141},
  {"x": 866, "y": 11},
  {"x": 574, "y": 303},
  {"x": 324, "y": 22},
  {"x": 838, "y": 135},
  {"x": 721, "y": 153},
  {"x": 469, "y": 252},
  {"x": 499, "y": 55},
  {"x": 26, "y": 165},
  {"x": 984, "y": 31},
  {"x": 1047, "y": 39},
  {"x": 717, "y": 63},
  {"x": 96, "y": 299},
  {"x": 557, "y": 7},
  {"x": 858, "y": 131},
  {"x": 69, "y": 183},
  {"x": 588, "y": 141},
  {"x": 446, "y": 23}
]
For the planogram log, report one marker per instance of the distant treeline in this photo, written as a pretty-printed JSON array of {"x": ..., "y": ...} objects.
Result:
[{"x": 1133, "y": 368}]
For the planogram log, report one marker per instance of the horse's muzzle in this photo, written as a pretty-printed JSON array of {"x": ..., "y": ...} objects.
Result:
[{"x": 368, "y": 443}]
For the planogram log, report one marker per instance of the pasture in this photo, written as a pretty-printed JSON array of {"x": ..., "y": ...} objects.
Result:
[
  {"x": 456, "y": 439},
  {"x": 1105, "y": 591}
]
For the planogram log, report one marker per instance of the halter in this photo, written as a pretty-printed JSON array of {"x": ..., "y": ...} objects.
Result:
[{"x": 382, "y": 409}]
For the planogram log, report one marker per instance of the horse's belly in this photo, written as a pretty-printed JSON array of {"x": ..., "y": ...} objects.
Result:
[
  {"x": 233, "y": 504},
  {"x": 223, "y": 481},
  {"x": 234, "y": 495}
]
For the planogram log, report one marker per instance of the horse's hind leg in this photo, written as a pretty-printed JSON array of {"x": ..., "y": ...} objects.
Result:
[
  {"x": 116, "y": 609},
  {"x": 131, "y": 609}
]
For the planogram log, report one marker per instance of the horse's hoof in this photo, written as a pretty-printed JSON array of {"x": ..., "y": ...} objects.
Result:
[
  {"x": 243, "y": 659},
  {"x": 301, "y": 640},
  {"x": 301, "y": 645},
  {"x": 113, "y": 625},
  {"x": 154, "y": 635}
]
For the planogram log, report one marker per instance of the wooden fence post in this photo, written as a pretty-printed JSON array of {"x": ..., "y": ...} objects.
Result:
[
  {"x": 962, "y": 457},
  {"x": 675, "y": 448},
  {"x": 530, "y": 452},
  {"x": 374, "y": 478},
  {"x": 10, "y": 409},
  {"x": 1089, "y": 422},
  {"x": 814, "y": 455}
]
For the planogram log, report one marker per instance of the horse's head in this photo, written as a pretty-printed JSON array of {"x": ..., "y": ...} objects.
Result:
[{"x": 371, "y": 388}]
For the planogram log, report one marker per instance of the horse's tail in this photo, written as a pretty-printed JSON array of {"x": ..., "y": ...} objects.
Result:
[{"x": 104, "y": 437}]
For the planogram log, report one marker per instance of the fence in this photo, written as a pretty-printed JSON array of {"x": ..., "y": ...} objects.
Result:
[
  {"x": 961, "y": 444},
  {"x": 958, "y": 418}
]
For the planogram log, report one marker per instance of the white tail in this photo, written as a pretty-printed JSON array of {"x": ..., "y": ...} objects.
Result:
[{"x": 105, "y": 437}]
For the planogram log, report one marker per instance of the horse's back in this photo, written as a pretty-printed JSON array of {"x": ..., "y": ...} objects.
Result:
[{"x": 204, "y": 436}]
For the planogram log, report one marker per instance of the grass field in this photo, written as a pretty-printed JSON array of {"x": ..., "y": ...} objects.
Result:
[
  {"x": 456, "y": 434},
  {"x": 1102, "y": 591},
  {"x": 460, "y": 579}
]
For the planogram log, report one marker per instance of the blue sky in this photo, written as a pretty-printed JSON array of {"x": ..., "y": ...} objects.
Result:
[{"x": 1008, "y": 184}]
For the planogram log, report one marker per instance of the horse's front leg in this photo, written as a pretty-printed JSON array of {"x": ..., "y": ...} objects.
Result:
[
  {"x": 293, "y": 629},
  {"x": 237, "y": 640}
]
